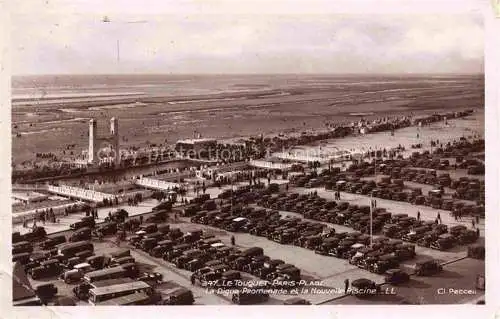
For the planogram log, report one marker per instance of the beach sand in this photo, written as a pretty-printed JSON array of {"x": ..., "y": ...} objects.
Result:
[{"x": 252, "y": 110}]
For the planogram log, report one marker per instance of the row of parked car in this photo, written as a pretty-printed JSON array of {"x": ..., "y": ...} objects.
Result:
[
  {"x": 462, "y": 147},
  {"x": 245, "y": 195},
  {"x": 469, "y": 189},
  {"x": 310, "y": 235},
  {"x": 34, "y": 247},
  {"x": 213, "y": 264},
  {"x": 459, "y": 150},
  {"x": 406, "y": 170},
  {"x": 382, "y": 257},
  {"x": 77, "y": 263},
  {"x": 393, "y": 188},
  {"x": 396, "y": 226},
  {"x": 465, "y": 187},
  {"x": 72, "y": 259}
]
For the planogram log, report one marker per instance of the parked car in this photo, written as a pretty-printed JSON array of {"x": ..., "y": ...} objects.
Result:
[
  {"x": 360, "y": 255},
  {"x": 98, "y": 262},
  {"x": 157, "y": 217},
  {"x": 391, "y": 230},
  {"x": 71, "y": 262},
  {"x": 363, "y": 288},
  {"x": 119, "y": 253},
  {"x": 150, "y": 277},
  {"x": 404, "y": 252},
  {"x": 148, "y": 228},
  {"x": 147, "y": 244},
  {"x": 131, "y": 270},
  {"x": 35, "y": 234},
  {"x": 296, "y": 301},
  {"x": 428, "y": 267},
  {"x": 269, "y": 267},
  {"x": 87, "y": 221},
  {"x": 287, "y": 277},
  {"x": 384, "y": 263},
  {"x": 178, "y": 296},
  {"x": 396, "y": 276},
  {"x": 369, "y": 260},
  {"x": 22, "y": 258},
  {"x": 82, "y": 233},
  {"x": 117, "y": 216},
  {"x": 427, "y": 239},
  {"x": 228, "y": 279},
  {"x": 457, "y": 230},
  {"x": 53, "y": 241},
  {"x": 415, "y": 234},
  {"x": 46, "y": 269},
  {"x": 444, "y": 242},
  {"x": 17, "y": 237},
  {"x": 253, "y": 251},
  {"x": 76, "y": 274},
  {"x": 46, "y": 292},
  {"x": 247, "y": 298},
  {"x": 327, "y": 246},
  {"x": 163, "y": 228},
  {"x": 467, "y": 237},
  {"x": 107, "y": 229},
  {"x": 161, "y": 247},
  {"x": 122, "y": 260},
  {"x": 22, "y": 247}
]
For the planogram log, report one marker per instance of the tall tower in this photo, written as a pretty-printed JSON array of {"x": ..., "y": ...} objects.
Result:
[
  {"x": 92, "y": 156},
  {"x": 115, "y": 138}
]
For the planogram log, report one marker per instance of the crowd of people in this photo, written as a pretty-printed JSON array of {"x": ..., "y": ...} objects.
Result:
[
  {"x": 92, "y": 212},
  {"x": 134, "y": 201},
  {"x": 46, "y": 215},
  {"x": 253, "y": 177}
]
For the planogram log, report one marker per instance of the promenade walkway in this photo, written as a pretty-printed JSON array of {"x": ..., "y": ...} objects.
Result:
[
  {"x": 65, "y": 221},
  {"x": 79, "y": 193},
  {"x": 157, "y": 184}
]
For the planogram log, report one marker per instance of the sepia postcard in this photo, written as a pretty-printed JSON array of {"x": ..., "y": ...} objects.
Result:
[{"x": 340, "y": 156}]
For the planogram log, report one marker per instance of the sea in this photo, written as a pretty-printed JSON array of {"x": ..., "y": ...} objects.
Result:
[{"x": 50, "y": 87}]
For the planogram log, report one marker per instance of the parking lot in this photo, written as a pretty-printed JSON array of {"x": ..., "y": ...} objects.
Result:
[
  {"x": 146, "y": 263},
  {"x": 455, "y": 285},
  {"x": 328, "y": 272},
  {"x": 324, "y": 275},
  {"x": 427, "y": 213}
]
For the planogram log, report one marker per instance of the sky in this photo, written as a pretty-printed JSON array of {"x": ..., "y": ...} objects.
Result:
[{"x": 210, "y": 36}]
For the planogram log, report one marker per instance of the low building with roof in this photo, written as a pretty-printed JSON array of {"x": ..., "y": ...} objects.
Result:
[{"x": 199, "y": 148}]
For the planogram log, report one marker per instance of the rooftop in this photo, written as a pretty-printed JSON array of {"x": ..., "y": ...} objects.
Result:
[{"x": 196, "y": 140}]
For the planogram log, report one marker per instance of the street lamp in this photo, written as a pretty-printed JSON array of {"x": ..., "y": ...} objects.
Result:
[{"x": 372, "y": 204}]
